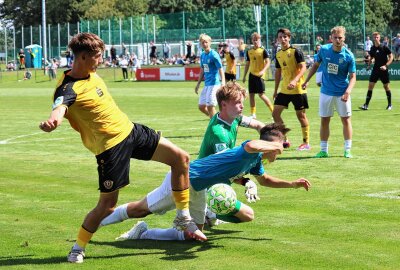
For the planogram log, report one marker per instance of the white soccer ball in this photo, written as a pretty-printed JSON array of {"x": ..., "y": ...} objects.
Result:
[{"x": 221, "y": 199}]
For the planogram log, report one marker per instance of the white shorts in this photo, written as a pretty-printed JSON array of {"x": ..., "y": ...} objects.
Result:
[
  {"x": 328, "y": 103},
  {"x": 208, "y": 95},
  {"x": 318, "y": 77},
  {"x": 160, "y": 201}
]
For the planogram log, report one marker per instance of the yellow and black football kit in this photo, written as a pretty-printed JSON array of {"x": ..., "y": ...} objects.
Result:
[
  {"x": 288, "y": 61},
  {"x": 105, "y": 130},
  {"x": 230, "y": 71}
]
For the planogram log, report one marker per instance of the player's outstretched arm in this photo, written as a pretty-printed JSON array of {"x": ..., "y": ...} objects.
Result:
[
  {"x": 55, "y": 119},
  {"x": 258, "y": 146},
  {"x": 311, "y": 73},
  {"x": 274, "y": 182}
]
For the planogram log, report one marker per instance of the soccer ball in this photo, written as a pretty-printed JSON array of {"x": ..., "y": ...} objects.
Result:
[{"x": 221, "y": 199}]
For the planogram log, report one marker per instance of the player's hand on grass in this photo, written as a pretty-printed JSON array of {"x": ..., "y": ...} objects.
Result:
[
  {"x": 251, "y": 191},
  {"x": 302, "y": 182}
]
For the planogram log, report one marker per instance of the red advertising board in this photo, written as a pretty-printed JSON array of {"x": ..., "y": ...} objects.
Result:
[
  {"x": 148, "y": 74},
  {"x": 192, "y": 73}
]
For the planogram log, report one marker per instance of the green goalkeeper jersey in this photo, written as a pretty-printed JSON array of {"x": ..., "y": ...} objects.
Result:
[{"x": 221, "y": 135}]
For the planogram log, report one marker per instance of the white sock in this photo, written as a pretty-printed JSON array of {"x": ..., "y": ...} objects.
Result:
[
  {"x": 347, "y": 144},
  {"x": 120, "y": 214},
  {"x": 324, "y": 146},
  {"x": 163, "y": 234},
  {"x": 77, "y": 247}
]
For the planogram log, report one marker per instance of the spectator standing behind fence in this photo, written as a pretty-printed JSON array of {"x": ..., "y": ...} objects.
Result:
[
  {"x": 21, "y": 59},
  {"x": 338, "y": 79},
  {"x": 396, "y": 46},
  {"x": 166, "y": 51},
  {"x": 319, "y": 40},
  {"x": 68, "y": 57},
  {"x": 257, "y": 61},
  {"x": 123, "y": 63},
  {"x": 385, "y": 41},
  {"x": 153, "y": 53},
  {"x": 32, "y": 55},
  {"x": 383, "y": 58},
  {"x": 290, "y": 67},
  {"x": 242, "y": 49},
  {"x": 189, "y": 52},
  {"x": 113, "y": 53},
  {"x": 210, "y": 67},
  {"x": 134, "y": 63},
  {"x": 53, "y": 69},
  {"x": 230, "y": 70},
  {"x": 368, "y": 44}
]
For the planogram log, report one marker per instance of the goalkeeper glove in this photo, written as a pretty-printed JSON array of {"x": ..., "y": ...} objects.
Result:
[{"x": 251, "y": 191}]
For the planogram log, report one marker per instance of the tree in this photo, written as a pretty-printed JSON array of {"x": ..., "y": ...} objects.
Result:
[{"x": 378, "y": 14}]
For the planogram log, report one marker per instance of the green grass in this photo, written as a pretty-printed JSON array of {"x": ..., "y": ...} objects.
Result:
[{"x": 48, "y": 182}]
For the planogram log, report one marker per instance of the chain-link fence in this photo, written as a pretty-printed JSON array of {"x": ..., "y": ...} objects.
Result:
[{"x": 307, "y": 22}]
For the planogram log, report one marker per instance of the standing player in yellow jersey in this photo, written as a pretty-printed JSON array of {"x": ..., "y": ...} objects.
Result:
[
  {"x": 291, "y": 66},
  {"x": 82, "y": 97},
  {"x": 230, "y": 71},
  {"x": 257, "y": 60}
]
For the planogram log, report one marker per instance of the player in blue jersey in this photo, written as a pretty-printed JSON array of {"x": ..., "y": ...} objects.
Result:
[
  {"x": 224, "y": 167},
  {"x": 338, "y": 79},
  {"x": 211, "y": 69}
]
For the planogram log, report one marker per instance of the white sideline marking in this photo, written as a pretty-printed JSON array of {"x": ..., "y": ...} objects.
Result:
[
  {"x": 17, "y": 137},
  {"x": 385, "y": 195}
]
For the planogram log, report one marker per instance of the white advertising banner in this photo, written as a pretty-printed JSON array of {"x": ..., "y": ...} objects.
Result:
[{"x": 172, "y": 74}]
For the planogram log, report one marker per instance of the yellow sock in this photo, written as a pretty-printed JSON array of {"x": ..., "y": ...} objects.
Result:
[
  {"x": 181, "y": 199},
  {"x": 306, "y": 134},
  {"x": 84, "y": 237},
  {"x": 253, "y": 110}
]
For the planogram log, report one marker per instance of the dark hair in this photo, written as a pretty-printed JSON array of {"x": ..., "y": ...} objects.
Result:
[
  {"x": 284, "y": 31},
  {"x": 86, "y": 42},
  {"x": 272, "y": 131}
]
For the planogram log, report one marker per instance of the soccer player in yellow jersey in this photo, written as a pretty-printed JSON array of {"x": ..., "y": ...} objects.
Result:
[
  {"x": 257, "y": 60},
  {"x": 230, "y": 71},
  {"x": 82, "y": 97},
  {"x": 291, "y": 66}
]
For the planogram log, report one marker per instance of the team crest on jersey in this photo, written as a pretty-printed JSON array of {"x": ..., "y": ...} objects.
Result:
[
  {"x": 341, "y": 60},
  {"x": 284, "y": 63},
  {"x": 220, "y": 147},
  {"x": 99, "y": 92},
  {"x": 108, "y": 184}
]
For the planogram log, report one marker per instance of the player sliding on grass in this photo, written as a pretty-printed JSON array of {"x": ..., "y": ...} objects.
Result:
[
  {"x": 224, "y": 167},
  {"x": 222, "y": 132},
  {"x": 82, "y": 97}
]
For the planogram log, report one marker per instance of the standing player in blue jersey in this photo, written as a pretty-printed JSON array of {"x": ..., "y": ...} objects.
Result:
[
  {"x": 338, "y": 79},
  {"x": 224, "y": 167},
  {"x": 211, "y": 67}
]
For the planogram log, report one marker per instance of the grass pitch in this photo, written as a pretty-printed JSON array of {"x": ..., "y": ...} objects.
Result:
[{"x": 348, "y": 220}]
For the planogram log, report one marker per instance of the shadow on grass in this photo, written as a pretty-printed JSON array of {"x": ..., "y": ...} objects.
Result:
[{"x": 172, "y": 250}]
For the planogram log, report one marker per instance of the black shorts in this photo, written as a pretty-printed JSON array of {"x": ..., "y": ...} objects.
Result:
[
  {"x": 300, "y": 101},
  {"x": 230, "y": 77},
  {"x": 377, "y": 74},
  {"x": 256, "y": 84},
  {"x": 113, "y": 164}
]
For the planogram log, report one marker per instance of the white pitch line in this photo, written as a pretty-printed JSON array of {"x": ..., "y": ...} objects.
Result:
[
  {"x": 385, "y": 195},
  {"x": 17, "y": 137}
]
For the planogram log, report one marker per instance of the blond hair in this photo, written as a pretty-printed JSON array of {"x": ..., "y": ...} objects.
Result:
[
  {"x": 204, "y": 37},
  {"x": 338, "y": 29},
  {"x": 255, "y": 35},
  {"x": 230, "y": 91}
]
